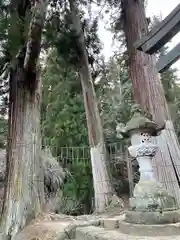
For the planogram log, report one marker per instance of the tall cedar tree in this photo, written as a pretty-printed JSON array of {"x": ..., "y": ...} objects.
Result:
[
  {"x": 102, "y": 188},
  {"x": 149, "y": 93},
  {"x": 24, "y": 193}
]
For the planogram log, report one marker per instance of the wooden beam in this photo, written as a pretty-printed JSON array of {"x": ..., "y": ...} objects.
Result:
[
  {"x": 161, "y": 34},
  {"x": 166, "y": 61}
]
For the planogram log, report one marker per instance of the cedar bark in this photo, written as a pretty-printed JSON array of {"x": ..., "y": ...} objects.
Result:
[
  {"x": 149, "y": 93},
  {"x": 24, "y": 191},
  {"x": 102, "y": 187}
]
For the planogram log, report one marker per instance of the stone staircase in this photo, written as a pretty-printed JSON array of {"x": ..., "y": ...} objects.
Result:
[
  {"x": 96, "y": 227},
  {"x": 115, "y": 229}
]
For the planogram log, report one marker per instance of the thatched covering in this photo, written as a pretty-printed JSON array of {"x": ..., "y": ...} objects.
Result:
[{"x": 53, "y": 173}]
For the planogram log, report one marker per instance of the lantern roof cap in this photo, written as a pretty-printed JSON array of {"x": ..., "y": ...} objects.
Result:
[{"x": 140, "y": 121}]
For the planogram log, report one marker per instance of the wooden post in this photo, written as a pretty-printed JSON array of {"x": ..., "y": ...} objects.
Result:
[
  {"x": 166, "y": 61},
  {"x": 161, "y": 34}
]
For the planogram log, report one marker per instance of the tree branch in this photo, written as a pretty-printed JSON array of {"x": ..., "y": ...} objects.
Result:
[{"x": 34, "y": 36}]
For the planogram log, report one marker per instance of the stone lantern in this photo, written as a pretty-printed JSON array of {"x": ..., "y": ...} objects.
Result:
[{"x": 151, "y": 203}]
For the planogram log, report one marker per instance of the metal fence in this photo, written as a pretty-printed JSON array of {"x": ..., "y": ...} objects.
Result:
[
  {"x": 120, "y": 165},
  {"x": 78, "y": 162},
  {"x": 123, "y": 171},
  {"x": 123, "y": 168}
]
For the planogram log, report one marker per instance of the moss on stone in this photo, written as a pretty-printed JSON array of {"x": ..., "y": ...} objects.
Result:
[{"x": 139, "y": 121}]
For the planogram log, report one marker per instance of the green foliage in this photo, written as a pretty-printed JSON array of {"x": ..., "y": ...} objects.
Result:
[
  {"x": 115, "y": 96},
  {"x": 63, "y": 120},
  {"x": 60, "y": 34},
  {"x": 78, "y": 190},
  {"x": 63, "y": 115}
]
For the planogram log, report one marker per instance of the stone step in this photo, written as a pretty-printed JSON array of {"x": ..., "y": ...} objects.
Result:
[
  {"x": 118, "y": 223},
  {"x": 150, "y": 230},
  {"x": 91, "y": 233},
  {"x": 112, "y": 223},
  {"x": 99, "y": 233}
]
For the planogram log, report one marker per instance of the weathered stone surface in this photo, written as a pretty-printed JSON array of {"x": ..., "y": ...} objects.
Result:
[
  {"x": 139, "y": 121},
  {"x": 118, "y": 223},
  {"x": 149, "y": 230},
  {"x": 54, "y": 227},
  {"x": 151, "y": 196},
  {"x": 151, "y": 202},
  {"x": 152, "y": 217},
  {"x": 111, "y": 223},
  {"x": 89, "y": 227},
  {"x": 92, "y": 233}
]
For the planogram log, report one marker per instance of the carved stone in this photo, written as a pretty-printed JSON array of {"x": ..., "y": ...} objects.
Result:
[{"x": 150, "y": 198}]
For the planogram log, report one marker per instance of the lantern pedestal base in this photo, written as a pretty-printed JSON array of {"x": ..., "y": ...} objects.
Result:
[
  {"x": 152, "y": 204},
  {"x": 153, "y": 218}
]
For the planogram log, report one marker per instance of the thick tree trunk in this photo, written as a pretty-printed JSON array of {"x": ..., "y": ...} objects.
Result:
[
  {"x": 24, "y": 191},
  {"x": 149, "y": 93},
  {"x": 102, "y": 186}
]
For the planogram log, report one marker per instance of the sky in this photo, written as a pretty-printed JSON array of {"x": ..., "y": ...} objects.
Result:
[{"x": 154, "y": 8}]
